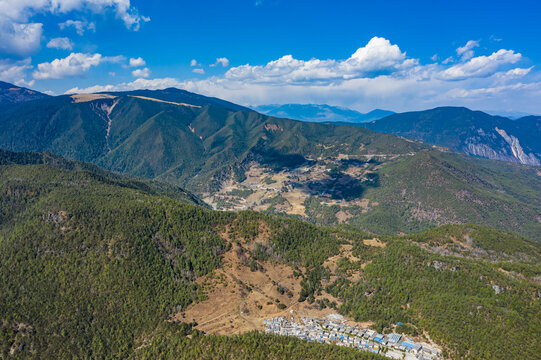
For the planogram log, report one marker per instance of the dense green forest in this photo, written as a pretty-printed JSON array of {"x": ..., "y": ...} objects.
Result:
[
  {"x": 452, "y": 298},
  {"x": 99, "y": 266},
  {"x": 252, "y": 345},
  {"x": 441, "y": 188},
  {"x": 93, "y": 265}
]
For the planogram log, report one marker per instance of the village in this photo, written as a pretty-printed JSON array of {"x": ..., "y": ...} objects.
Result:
[{"x": 337, "y": 332}]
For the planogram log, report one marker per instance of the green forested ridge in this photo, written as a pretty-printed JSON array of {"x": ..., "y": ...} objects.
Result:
[
  {"x": 90, "y": 267},
  {"x": 435, "y": 188},
  {"x": 452, "y": 298},
  {"x": 475, "y": 240},
  {"x": 91, "y": 172},
  {"x": 201, "y": 148}
]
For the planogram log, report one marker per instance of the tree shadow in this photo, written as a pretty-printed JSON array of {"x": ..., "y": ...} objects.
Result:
[{"x": 340, "y": 186}]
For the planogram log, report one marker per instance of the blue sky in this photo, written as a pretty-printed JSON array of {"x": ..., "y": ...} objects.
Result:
[{"x": 395, "y": 55}]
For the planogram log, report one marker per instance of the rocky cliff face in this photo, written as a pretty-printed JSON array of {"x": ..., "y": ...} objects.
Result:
[
  {"x": 478, "y": 149},
  {"x": 516, "y": 149},
  {"x": 472, "y": 132},
  {"x": 487, "y": 146}
]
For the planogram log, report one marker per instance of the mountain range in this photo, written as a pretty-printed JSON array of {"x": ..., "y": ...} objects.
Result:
[
  {"x": 474, "y": 133},
  {"x": 321, "y": 113},
  {"x": 237, "y": 159}
]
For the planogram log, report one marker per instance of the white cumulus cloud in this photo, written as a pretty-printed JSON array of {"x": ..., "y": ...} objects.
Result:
[
  {"x": 481, "y": 66},
  {"x": 377, "y": 57},
  {"x": 198, "y": 71},
  {"x": 518, "y": 72},
  {"x": 137, "y": 62},
  {"x": 221, "y": 61},
  {"x": 19, "y": 38},
  {"x": 19, "y": 35},
  {"x": 21, "y": 10},
  {"x": 62, "y": 43},
  {"x": 73, "y": 65},
  {"x": 141, "y": 73},
  {"x": 14, "y": 71}
]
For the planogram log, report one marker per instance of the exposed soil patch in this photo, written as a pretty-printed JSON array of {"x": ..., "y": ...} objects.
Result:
[
  {"x": 287, "y": 191},
  {"x": 239, "y": 300},
  {"x": 166, "y": 102},
  {"x": 374, "y": 242},
  {"x": 77, "y": 98}
]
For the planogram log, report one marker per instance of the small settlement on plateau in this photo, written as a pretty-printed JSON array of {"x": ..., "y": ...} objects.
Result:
[{"x": 337, "y": 332}]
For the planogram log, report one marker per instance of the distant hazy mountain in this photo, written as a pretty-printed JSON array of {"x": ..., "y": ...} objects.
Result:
[
  {"x": 513, "y": 115},
  {"x": 321, "y": 113},
  {"x": 471, "y": 132},
  {"x": 12, "y": 94}
]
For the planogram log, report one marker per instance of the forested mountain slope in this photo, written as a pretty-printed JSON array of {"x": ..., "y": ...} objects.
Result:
[
  {"x": 93, "y": 173},
  {"x": 175, "y": 139},
  {"x": 92, "y": 267},
  {"x": 238, "y": 159}
]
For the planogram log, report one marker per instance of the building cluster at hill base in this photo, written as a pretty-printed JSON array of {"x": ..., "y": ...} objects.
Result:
[{"x": 395, "y": 346}]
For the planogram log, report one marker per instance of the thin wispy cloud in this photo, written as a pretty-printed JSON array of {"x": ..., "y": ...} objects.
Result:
[
  {"x": 466, "y": 52},
  {"x": 62, "y": 43},
  {"x": 80, "y": 26}
]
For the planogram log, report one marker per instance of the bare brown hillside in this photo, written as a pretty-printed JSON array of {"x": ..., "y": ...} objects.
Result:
[{"x": 239, "y": 298}]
